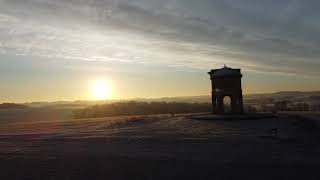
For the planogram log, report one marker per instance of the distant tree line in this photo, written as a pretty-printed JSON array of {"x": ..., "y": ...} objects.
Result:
[
  {"x": 140, "y": 108},
  {"x": 284, "y": 105},
  {"x": 12, "y": 106}
]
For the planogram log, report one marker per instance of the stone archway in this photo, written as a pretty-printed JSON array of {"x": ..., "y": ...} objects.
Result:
[{"x": 226, "y": 82}]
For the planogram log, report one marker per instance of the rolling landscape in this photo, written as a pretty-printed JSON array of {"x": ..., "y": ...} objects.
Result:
[
  {"x": 159, "y": 89},
  {"x": 47, "y": 142}
]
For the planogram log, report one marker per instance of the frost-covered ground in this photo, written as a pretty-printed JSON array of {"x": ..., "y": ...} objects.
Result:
[{"x": 159, "y": 147}]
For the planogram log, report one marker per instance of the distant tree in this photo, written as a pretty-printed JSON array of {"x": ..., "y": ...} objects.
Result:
[
  {"x": 301, "y": 107},
  {"x": 250, "y": 109},
  {"x": 12, "y": 106},
  {"x": 282, "y": 105},
  {"x": 140, "y": 108},
  {"x": 271, "y": 100},
  {"x": 314, "y": 97},
  {"x": 315, "y": 107}
]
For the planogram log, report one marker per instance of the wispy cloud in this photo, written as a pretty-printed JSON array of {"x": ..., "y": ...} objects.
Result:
[{"x": 276, "y": 37}]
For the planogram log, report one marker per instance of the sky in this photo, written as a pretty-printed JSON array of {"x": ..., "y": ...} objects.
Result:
[{"x": 52, "y": 50}]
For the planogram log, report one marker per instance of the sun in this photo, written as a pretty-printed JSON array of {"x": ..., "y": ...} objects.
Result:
[{"x": 101, "y": 90}]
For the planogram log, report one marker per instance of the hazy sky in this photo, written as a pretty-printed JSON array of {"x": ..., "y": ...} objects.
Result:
[{"x": 53, "y": 49}]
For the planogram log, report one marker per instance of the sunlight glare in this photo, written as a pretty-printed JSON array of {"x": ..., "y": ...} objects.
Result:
[{"x": 101, "y": 90}]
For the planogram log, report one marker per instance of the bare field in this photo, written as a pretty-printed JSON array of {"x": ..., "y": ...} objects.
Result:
[{"x": 158, "y": 147}]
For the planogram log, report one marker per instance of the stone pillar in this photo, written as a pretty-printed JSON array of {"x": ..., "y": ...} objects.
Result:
[
  {"x": 240, "y": 105},
  {"x": 220, "y": 105},
  {"x": 214, "y": 103},
  {"x": 233, "y": 104}
]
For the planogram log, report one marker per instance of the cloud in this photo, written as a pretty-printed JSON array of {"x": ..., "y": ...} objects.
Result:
[{"x": 277, "y": 37}]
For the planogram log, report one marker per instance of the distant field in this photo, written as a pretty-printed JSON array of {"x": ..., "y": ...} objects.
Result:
[{"x": 42, "y": 114}]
